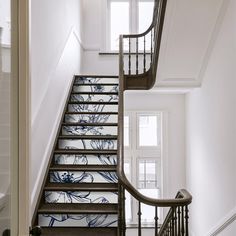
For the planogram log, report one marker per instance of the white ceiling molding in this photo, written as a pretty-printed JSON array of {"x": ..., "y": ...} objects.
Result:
[{"x": 190, "y": 31}]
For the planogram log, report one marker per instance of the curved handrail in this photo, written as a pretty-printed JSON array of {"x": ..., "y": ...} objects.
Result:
[
  {"x": 153, "y": 23},
  {"x": 146, "y": 80},
  {"x": 185, "y": 197}
]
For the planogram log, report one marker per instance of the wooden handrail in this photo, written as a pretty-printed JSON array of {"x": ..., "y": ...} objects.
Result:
[{"x": 183, "y": 197}]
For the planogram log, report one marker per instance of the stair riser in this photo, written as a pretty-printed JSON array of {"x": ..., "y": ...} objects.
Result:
[
  {"x": 83, "y": 177},
  {"x": 89, "y": 130},
  {"x": 77, "y": 220},
  {"x": 93, "y": 98},
  {"x": 91, "y": 118},
  {"x": 91, "y": 80},
  {"x": 86, "y": 159},
  {"x": 92, "y": 108},
  {"x": 95, "y": 88},
  {"x": 82, "y": 197},
  {"x": 88, "y": 144}
]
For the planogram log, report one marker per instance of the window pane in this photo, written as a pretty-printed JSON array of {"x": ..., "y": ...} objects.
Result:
[
  {"x": 119, "y": 22},
  {"x": 126, "y": 131},
  {"x": 145, "y": 15},
  {"x": 148, "y": 212},
  {"x": 147, "y": 175},
  {"x": 127, "y": 170},
  {"x": 128, "y": 207},
  {"x": 147, "y": 130},
  {"x": 145, "y": 20},
  {"x": 151, "y": 170}
]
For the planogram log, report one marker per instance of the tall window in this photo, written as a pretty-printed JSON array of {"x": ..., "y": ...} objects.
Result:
[
  {"x": 127, "y": 16},
  {"x": 143, "y": 160}
]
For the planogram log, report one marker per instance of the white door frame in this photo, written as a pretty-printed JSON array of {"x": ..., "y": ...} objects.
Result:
[{"x": 20, "y": 121}]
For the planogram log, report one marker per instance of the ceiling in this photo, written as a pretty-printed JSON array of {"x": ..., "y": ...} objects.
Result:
[{"x": 190, "y": 30}]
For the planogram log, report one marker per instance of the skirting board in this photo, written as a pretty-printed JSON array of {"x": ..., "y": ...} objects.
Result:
[{"x": 223, "y": 223}]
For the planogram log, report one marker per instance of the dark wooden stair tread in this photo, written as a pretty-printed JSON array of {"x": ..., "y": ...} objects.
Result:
[
  {"x": 90, "y": 113},
  {"x": 95, "y": 84},
  {"x": 94, "y": 93},
  {"x": 87, "y": 137},
  {"x": 78, "y": 208},
  {"x": 93, "y": 102},
  {"x": 76, "y": 231},
  {"x": 83, "y": 167},
  {"x": 100, "y": 187},
  {"x": 97, "y": 76},
  {"x": 88, "y": 124},
  {"x": 84, "y": 151}
]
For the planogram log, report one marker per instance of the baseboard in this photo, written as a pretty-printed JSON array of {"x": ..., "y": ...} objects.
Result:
[
  {"x": 224, "y": 223},
  {"x": 70, "y": 70},
  {"x": 36, "y": 190}
]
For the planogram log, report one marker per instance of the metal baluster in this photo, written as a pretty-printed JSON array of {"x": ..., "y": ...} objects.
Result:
[
  {"x": 172, "y": 225},
  {"x": 139, "y": 219},
  {"x": 186, "y": 220},
  {"x": 136, "y": 56},
  {"x": 179, "y": 229},
  {"x": 175, "y": 221},
  {"x": 182, "y": 221},
  {"x": 156, "y": 221},
  {"x": 144, "y": 54},
  {"x": 129, "y": 56}
]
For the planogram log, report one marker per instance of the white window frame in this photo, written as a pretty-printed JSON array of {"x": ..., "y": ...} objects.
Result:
[
  {"x": 159, "y": 116},
  {"x": 134, "y": 154},
  {"x": 106, "y": 23}
]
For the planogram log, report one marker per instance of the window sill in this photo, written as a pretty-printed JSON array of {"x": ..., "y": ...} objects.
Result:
[
  {"x": 111, "y": 53},
  {"x": 143, "y": 226}
]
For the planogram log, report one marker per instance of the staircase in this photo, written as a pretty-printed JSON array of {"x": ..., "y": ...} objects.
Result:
[
  {"x": 80, "y": 194},
  {"x": 83, "y": 192}
]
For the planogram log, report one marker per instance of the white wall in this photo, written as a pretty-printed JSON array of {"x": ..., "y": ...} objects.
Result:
[
  {"x": 94, "y": 41},
  {"x": 174, "y": 107},
  {"x": 211, "y": 134},
  {"x": 55, "y": 57}
]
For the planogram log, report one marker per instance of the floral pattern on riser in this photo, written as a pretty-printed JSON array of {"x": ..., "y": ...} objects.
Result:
[
  {"x": 83, "y": 177},
  {"x": 93, "y": 118},
  {"x": 80, "y": 197},
  {"x": 89, "y": 130},
  {"x": 77, "y": 220},
  {"x": 88, "y": 144},
  {"x": 85, "y": 159}
]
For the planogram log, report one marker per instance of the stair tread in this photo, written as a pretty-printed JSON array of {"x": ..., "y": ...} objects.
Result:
[
  {"x": 90, "y": 113},
  {"x": 83, "y": 167},
  {"x": 97, "y": 76},
  {"x": 93, "y": 102},
  {"x": 88, "y": 137},
  {"x": 76, "y": 208},
  {"x": 81, "y": 187},
  {"x": 82, "y": 151},
  {"x": 95, "y": 84},
  {"x": 75, "y": 231},
  {"x": 88, "y": 124},
  {"x": 94, "y": 93}
]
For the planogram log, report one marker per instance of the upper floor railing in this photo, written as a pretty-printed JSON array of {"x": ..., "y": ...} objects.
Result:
[{"x": 138, "y": 60}]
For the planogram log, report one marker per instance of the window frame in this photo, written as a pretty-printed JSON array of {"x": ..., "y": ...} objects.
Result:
[
  {"x": 159, "y": 116},
  {"x": 133, "y": 21},
  {"x": 108, "y": 27},
  {"x": 158, "y": 155}
]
